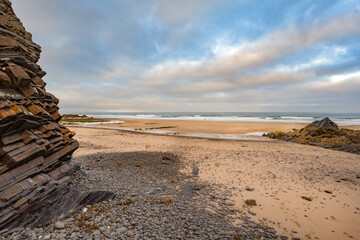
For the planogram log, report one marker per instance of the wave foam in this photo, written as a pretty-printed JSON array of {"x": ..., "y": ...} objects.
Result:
[{"x": 342, "y": 121}]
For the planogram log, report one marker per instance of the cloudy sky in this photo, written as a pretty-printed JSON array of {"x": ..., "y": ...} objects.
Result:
[{"x": 198, "y": 55}]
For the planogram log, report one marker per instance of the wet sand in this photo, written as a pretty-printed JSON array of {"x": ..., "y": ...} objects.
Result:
[
  {"x": 280, "y": 173},
  {"x": 187, "y": 126}
]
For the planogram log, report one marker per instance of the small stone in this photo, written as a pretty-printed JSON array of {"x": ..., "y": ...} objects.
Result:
[
  {"x": 68, "y": 220},
  {"x": 188, "y": 190},
  {"x": 252, "y": 213},
  {"x": 220, "y": 197},
  {"x": 28, "y": 232},
  {"x": 73, "y": 235},
  {"x": 130, "y": 233},
  {"x": 59, "y": 225},
  {"x": 249, "y": 189},
  {"x": 121, "y": 230},
  {"x": 96, "y": 233},
  {"x": 153, "y": 190},
  {"x": 61, "y": 236},
  {"x": 228, "y": 204},
  {"x": 252, "y": 225},
  {"x": 250, "y": 202},
  {"x": 195, "y": 171}
]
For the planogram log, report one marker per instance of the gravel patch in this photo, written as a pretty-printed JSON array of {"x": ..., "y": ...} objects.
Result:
[{"x": 154, "y": 201}]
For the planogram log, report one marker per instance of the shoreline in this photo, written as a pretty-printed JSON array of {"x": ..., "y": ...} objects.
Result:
[
  {"x": 229, "y": 137},
  {"x": 202, "y": 129}
]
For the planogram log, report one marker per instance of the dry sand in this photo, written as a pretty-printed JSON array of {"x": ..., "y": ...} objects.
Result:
[{"x": 280, "y": 173}]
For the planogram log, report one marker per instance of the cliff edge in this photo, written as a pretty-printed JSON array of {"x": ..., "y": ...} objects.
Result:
[{"x": 35, "y": 150}]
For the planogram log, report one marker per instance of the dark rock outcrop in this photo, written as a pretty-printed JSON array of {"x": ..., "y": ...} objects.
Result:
[
  {"x": 35, "y": 150},
  {"x": 325, "y": 123},
  {"x": 58, "y": 201},
  {"x": 324, "y": 133}
]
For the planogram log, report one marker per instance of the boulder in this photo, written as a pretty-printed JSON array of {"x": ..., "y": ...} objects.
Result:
[
  {"x": 317, "y": 128},
  {"x": 324, "y": 123}
]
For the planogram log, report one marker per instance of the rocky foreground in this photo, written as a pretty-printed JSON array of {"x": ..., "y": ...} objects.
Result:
[
  {"x": 171, "y": 187},
  {"x": 324, "y": 133},
  {"x": 154, "y": 199},
  {"x": 148, "y": 209}
]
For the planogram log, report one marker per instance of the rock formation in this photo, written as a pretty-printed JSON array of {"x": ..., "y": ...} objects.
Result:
[
  {"x": 35, "y": 150},
  {"x": 324, "y": 133}
]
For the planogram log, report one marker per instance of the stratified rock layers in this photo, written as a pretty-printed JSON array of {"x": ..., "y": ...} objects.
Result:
[{"x": 35, "y": 150}]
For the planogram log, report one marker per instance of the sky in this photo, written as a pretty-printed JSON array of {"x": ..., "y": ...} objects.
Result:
[{"x": 198, "y": 55}]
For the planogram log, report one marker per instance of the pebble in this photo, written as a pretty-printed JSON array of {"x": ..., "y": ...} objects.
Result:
[
  {"x": 228, "y": 204},
  {"x": 68, "y": 220},
  {"x": 195, "y": 171},
  {"x": 130, "y": 233},
  {"x": 153, "y": 190},
  {"x": 252, "y": 213},
  {"x": 250, "y": 202},
  {"x": 28, "y": 232},
  {"x": 61, "y": 236},
  {"x": 188, "y": 190},
  {"x": 121, "y": 230},
  {"x": 220, "y": 197},
  {"x": 252, "y": 225},
  {"x": 59, "y": 225}
]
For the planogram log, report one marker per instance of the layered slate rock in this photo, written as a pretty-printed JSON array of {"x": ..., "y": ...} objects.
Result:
[
  {"x": 323, "y": 133},
  {"x": 35, "y": 150}
]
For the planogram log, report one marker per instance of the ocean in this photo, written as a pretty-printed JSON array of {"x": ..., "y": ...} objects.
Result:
[{"x": 342, "y": 119}]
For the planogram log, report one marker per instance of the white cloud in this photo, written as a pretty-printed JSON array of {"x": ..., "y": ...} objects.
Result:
[
  {"x": 344, "y": 77},
  {"x": 97, "y": 60},
  {"x": 229, "y": 61},
  {"x": 342, "y": 83}
]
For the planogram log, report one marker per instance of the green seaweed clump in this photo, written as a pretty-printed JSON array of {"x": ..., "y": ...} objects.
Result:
[{"x": 127, "y": 202}]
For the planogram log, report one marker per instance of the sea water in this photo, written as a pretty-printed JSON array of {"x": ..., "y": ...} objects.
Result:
[{"x": 342, "y": 119}]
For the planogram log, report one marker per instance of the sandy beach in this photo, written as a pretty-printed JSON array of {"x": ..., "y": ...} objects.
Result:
[
  {"x": 301, "y": 191},
  {"x": 179, "y": 120},
  {"x": 220, "y": 127}
]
